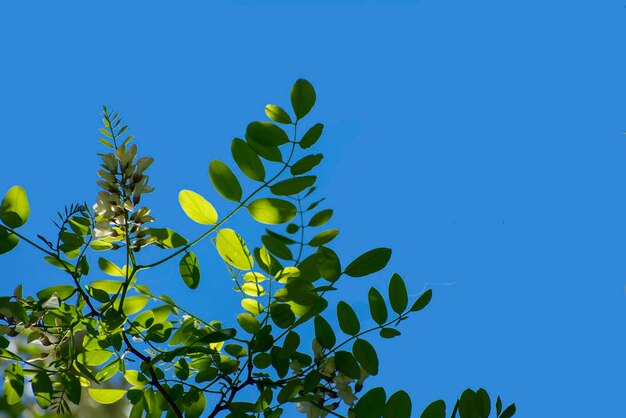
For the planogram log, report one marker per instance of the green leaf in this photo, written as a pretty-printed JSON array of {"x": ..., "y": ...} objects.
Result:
[
  {"x": 346, "y": 364},
  {"x": 378, "y": 308},
  {"x": 195, "y": 402},
  {"x": 282, "y": 315},
  {"x": 197, "y": 208},
  {"x": 398, "y": 296},
  {"x": 268, "y": 152},
  {"x": 389, "y": 333},
  {"x": 498, "y": 406},
  {"x": 483, "y": 403},
  {"x": 422, "y": 301},
  {"x": 348, "y": 320},
  {"x": 321, "y": 217},
  {"x": 15, "y": 210},
  {"x": 218, "y": 336},
  {"x": 42, "y": 388},
  {"x": 94, "y": 358},
  {"x": 398, "y": 406},
  {"x": 13, "y": 383},
  {"x": 302, "y": 98},
  {"x": 71, "y": 385},
  {"x": 233, "y": 249},
  {"x": 277, "y": 247},
  {"x": 368, "y": 263},
  {"x": 436, "y": 409},
  {"x": 247, "y": 160},
  {"x": 277, "y": 114},
  {"x": 225, "y": 181},
  {"x": 306, "y": 164},
  {"x": 248, "y": 323},
  {"x": 62, "y": 291},
  {"x": 272, "y": 211},
  {"x": 324, "y": 333},
  {"x": 467, "y": 404},
  {"x": 166, "y": 238},
  {"x": 133, "y": 304},
  {"x": 324, "y": 237},
  {"x": 109, "y": 286},
  {"x": 366, "y": 355},
  {"x": 291, "y": 344},
  {"x": 311, "y": 136},
  {"x": 110, "y": 268},
  {"x": 266, "y": 134},
  {"x": 190, "y": 270},
  {"x": 509, "y": 411},
  {"x": 372, "y": 404},
  {"x": 80, "y": 225},
  {"x": 8, "y": 241},
  {"x": 252, "y": 306},
  {"x": 290, "y": 391},
  {"x": 328, "y": 264},
  {"x": 293, "y": 185},
  {"x": 106, "y": 396}
]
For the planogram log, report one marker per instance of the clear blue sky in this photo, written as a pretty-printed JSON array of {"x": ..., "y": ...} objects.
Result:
[{"x": 481, "y": 140}]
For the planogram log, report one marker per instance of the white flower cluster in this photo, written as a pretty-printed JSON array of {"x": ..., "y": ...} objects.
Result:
[{"x": 117, "y": 213}]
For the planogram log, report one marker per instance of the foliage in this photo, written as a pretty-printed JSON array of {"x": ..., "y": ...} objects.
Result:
[{"x": 93, "y": 330}]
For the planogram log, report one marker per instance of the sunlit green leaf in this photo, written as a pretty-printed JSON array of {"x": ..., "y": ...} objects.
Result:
[
  {"x": 195, "y": 404},
  {"x": 324, "y": 333},
  {"x": 311, "y": 136},
  {"x": 63, "y": 292},
  {"x": 282, "y": 315},
  {"x": 293, "y": 185},
  {"x": 95, "y": 357},
  {"x": 249, "y": 323},
  {"x": 109, "y": 286},
  {"x": 224, "y": 181},
  {"x": 272, "y": 211},
  {"x": 398, "y": 296},
  {"x": 266, "y": 134},
  {"x": 190, "y": 270},
  {"x": 233, "y": 249},
  {"x": 348, "y": 320},
  {"x": 277, "y": 114},
  {"x": 14, "y": 209},
  {"x": 110, "y": 268},
  {"x": 253, "y": 289},
  {"x": 368, "y": 263},
  {"x": 324, "y": 237},
  {"x": 8, "y": 241},
  {"x": 252, "y": 306},
  {"x": 321, "y": 217},
  {"x": 42, "y": 388},
  {"x": 132, "y": 304},
  {"x": 247, "y": 160},
  {"x": 306, "y": 164},
  {"x": 13, "y": 383},
  {"x": 372, "y": 404},
  {"x": 166, "y": 238},
  {"x": 106, "y": 396},
  {"x": 302, "y": 97},
  {"x": 197, "y": 208}
]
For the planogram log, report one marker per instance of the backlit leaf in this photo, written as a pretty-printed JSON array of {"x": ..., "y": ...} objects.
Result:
[
  {"x": 62, "y": 291},
  {"x": 272, "y": 211},
  {"x": 110, "y": 268},
  {"x": 166, "y": 238},
  {"x": 321, "y": 217},
  {"x": 233, "y": 249},
  {"x": 266, "y": 134},
  {"x": 247, "y": 160},
  {"x": 106, "y": 396},
  {"x": 42, "y": 388},
  {"x": 302, "y": 98},
  {"x": 190, "y": 270},
  {"x": 197, "y": 208},
  {"x": 324, "y": 237},
  {"x": 13, "y": 383},
  {"x": 8, "y": 241},
  {"x": 293, "y": 185},
  {"x": 225, "y": 181},
  {"x": 14, "y": 209},
  {"x": 328, "y": 264},
  {"x": 277, "y": 114},
  {"x": 249, "y": 323},
  {"x": 252, "y": 306}
]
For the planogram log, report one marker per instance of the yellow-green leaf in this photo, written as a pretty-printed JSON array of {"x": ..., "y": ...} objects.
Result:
[
  {"x": 277, "y": 114},
  {"x": 233, "y": 249},
  {"x": 252, "y": 306},
  {"x": 15, "y": 210},
  {"x": 132, "y": 304},
  {"x": 110, "y": 268},
  {"x": 94, "y": 358},
  {"x": 106, "y": 396},
  {"x": 272, "y": 211},
  {"x": 247, "y": 160},
  {"x": 197, "y": 207}
]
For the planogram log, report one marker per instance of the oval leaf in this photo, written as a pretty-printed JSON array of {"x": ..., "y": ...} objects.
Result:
[
  {"x": 422, "y": 301},
  {"x": 252, "y": 306},
  {"x": 282, "y": 315},
  {"x": 306, "y": 164},
  {"x": 328, "y": 264},
  {"x": 436, "y": 409},
  {"x": 15, "y": 210},
  {"x": 324, "y": 237},
  {"x": 233, "y": 249},
  {"x": 302, "y": 98},
  {"x": 225, "y": 181},
  {"x": 378, "y": 308},
  {"x": 266, "y": 134},
  {"x": 321, "y": 217},
  {"x": 346, "y": 364},
  {"x": 197, "y": 207},
  {"x": 366, "y": 355},
  {"x": 372, "y": 404},
  {"x": 247, "y": 160},
  {"x": 368, "y": 263},
  {"x": 190, "y": 270},
  {"x": 398, "y": 296},
  {"x": 311, "y": 136},
  {"x": 106, "y": 396},
  {"x": 398, "y": 406},
  {"x": 293, "y": 186},
  {"x": 249, "y": 323},
  {"x": 277, "y": 114},
  {"x": 324, "y": 333},
  {"x": 348, "y": 320},
  {"x": 272, "y": 211},
  {"x": 8, "y": 241},
  {"x": 42, "y": 388}
]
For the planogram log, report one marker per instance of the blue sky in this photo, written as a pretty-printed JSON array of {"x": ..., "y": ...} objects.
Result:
[{"x": 481, "y": 140}]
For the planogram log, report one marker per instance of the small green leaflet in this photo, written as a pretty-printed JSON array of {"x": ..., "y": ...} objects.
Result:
[
  {"x": 368, "y": 263},
  {"x": 247, "y": 160},
  {"x": 14, "y": 209},
  {"x": 277, "y": 114},
  {"x": 302, "y": 98},
  {"x": 190, "y": 270},
  {"x": 272, "y": 211},
  {"x": 197, "y": 208},
  {"x": 224, "y": 181}
]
